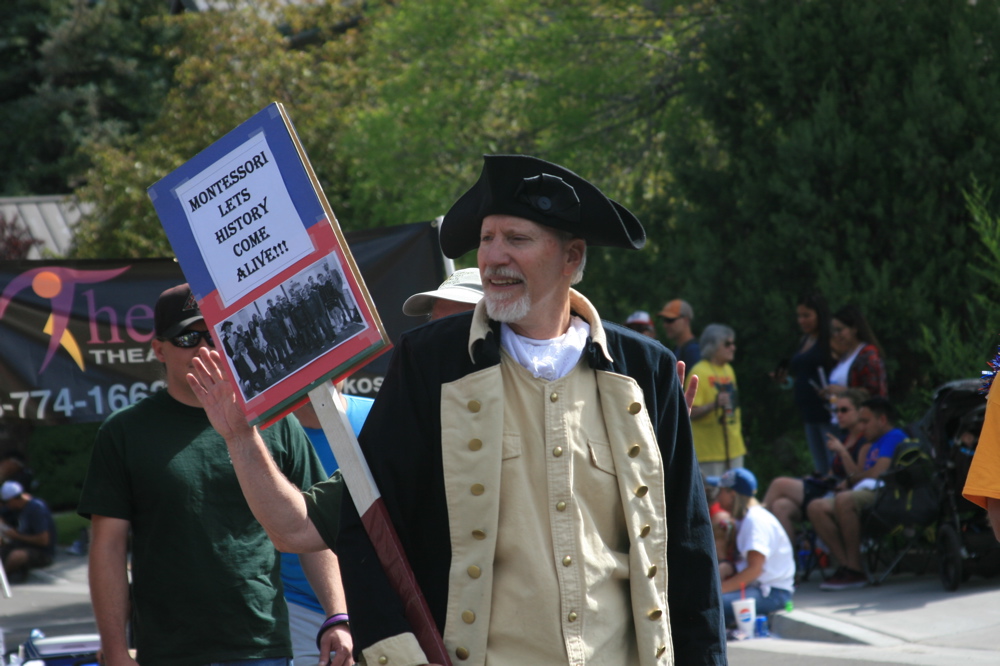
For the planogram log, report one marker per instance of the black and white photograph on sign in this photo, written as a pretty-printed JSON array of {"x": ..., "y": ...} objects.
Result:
[{"x": 286, "y": 329}]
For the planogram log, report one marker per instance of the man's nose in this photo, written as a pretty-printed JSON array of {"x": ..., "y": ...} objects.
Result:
[{"x": 494, "y": 254}]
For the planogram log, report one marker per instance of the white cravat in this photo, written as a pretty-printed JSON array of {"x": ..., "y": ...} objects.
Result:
[{"x": 547, "y": 359}]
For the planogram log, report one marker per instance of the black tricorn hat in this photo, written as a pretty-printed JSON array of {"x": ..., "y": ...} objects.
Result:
[{"x": 542, "y": 192}]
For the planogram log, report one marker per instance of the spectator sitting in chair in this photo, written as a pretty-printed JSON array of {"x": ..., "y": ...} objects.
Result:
[
  {"x": 787, "y": 497},
  {"x": 837, "y": 519},
  {"x": 32, "y": 544},
  {"x": 765, "y": 566}
]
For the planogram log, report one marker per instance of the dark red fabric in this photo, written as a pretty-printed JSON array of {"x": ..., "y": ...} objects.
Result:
[
  {"x": 397, "y": 569},
  {"x": 868, "y": 372}
]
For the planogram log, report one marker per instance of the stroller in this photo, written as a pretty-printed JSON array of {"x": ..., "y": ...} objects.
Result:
[{"x": 965, "y": 541}]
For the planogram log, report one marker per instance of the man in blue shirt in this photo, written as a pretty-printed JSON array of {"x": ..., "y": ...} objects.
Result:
[
  {"x": 677, "y": 316},
  {"x": 32, "y": 543},
  {"x": 837, "y": 520},
  {"x": 306, "y": 611}
]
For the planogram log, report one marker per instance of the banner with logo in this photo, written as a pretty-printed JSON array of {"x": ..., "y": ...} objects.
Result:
[{"x": 74, "y": 335}]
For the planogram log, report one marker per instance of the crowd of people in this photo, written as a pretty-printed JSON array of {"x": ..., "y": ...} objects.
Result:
[
  {"x": 531, "y": 460},
  {"x": 535, "y": 525},
  {"x": 837, "y": 376}
]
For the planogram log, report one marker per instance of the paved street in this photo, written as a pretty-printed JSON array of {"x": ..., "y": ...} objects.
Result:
[
  {"x": 908, "y": 620},
  {"x": 55, "y": 599}
]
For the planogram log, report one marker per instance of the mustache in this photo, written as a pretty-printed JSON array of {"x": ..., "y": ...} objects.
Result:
[{"x": 503, "y": 272}]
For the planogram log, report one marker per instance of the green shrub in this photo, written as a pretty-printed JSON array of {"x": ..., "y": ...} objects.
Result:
[{"x": 59, "y": 456}]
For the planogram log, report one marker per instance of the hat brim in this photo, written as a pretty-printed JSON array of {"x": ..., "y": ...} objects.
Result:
[
  {"x": 179, "y": 327},
  {"x": 422, "y": 303},
  {"x": 601, "y": 221}
]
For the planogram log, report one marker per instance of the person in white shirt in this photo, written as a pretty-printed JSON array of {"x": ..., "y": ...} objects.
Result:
[{"x": 765, "y": 567}]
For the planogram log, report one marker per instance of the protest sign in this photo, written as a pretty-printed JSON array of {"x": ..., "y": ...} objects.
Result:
[{"x": 269, "y": 266}]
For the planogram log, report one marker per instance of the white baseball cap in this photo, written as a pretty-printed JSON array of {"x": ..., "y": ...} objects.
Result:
[
  {"x": 463, "y": 286},
  {"x": 9, "y": 490}
]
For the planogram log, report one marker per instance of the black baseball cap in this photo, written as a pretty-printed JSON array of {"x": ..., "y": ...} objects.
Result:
[{"x": 176, "y": 309}]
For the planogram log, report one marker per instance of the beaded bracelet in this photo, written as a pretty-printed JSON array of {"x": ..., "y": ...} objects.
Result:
[{"x": 332, "y": 621}]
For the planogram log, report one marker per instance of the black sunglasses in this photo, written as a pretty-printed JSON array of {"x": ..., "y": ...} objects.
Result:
[
  {"x": 841, "y": 410},
  {"x": 189, "y": 339},
  {"x": 667, "y": 320}
]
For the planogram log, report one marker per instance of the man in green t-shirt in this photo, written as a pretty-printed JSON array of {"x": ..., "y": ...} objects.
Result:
[{"x": 205, "y": 582}]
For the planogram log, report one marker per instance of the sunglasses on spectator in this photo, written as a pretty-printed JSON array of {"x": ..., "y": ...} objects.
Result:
[
  {"x": 668, "y": 320},
  {"x": 189, "y": 339},
  {"x": 729, "y": 343},
  {"x": 841, "y": 410}
]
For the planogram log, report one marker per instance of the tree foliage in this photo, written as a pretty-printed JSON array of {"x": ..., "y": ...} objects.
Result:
[
  {"x": 842, "y": 136},
  {"x": 230, "y": 65},
  {"x": 72, "y": 71},
  {"x": 769, "y": 148},
  {"x": 564, "y": 81}
]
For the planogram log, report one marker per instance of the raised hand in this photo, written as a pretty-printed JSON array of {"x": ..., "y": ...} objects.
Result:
[{"x": 212, "y": 388}]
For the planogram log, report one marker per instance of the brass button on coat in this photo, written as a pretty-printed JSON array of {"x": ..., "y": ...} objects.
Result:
[
  {"x": 383, "y": 659},
  {"x": 474, "y": 406},
  {"x": 554, "y": 397},
  {"x": 644, "y": 532},
  {"x": 474, "y": 571},
  {"x": 468, "y": 617},
  {"x": 479, "y": 534},
  {"x": 567, "y": 561},
  {"x": 572, "y": 616},
  {"x": 660, "y": 650},
  {"x": 634, "y": 450},
  {"x": 475, "y": 444},
  {"x": 641, "y": 491},
  {"x": 634, "y": 408},
  {"x": 560, "y": 506},
  {"x": 462, "y": 653},
  {"x": 558, "y": 451},
  {"x": 478, "y": 489},
  {"x": 655, "y": 614},
  {"x": 651, "y": 572}
]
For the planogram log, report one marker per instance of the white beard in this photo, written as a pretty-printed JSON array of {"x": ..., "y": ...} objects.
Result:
[{"x": 507, "y": 310}]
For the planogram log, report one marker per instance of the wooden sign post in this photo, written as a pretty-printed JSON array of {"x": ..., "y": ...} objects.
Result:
[{"x": 332, "y": 416}]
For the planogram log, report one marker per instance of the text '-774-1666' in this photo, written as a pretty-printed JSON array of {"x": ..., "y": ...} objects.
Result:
[{"x": 40, "y": 404}]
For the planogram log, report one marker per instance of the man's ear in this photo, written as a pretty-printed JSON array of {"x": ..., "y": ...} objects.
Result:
[
  {"x": 575, "y": 250},
  {"x": 158, "y": 350}
]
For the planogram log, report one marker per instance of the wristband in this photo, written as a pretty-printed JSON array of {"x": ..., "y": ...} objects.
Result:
[{"x": 332, "y": 621}]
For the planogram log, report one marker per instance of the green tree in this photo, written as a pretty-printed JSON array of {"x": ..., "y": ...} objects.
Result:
[
  {"x": 983, "y": 305},
  {"x": 584, "y": 83},
  {"x": 230, "y": 65},
  {"x": 72, "y": 71},
  {"x": 842, "y": 136}
]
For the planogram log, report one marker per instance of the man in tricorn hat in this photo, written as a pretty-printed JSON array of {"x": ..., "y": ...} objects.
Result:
[{"x": 536, "y": 462}]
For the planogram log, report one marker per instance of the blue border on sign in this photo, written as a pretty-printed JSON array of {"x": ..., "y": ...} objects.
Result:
[{"x": 288, "y": 161}]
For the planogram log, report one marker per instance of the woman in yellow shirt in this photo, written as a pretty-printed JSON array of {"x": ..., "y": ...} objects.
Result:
[{"x": 715, "y": 413}]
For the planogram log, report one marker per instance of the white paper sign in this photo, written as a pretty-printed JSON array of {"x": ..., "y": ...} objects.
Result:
[{"x": 243, "y": 219}]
